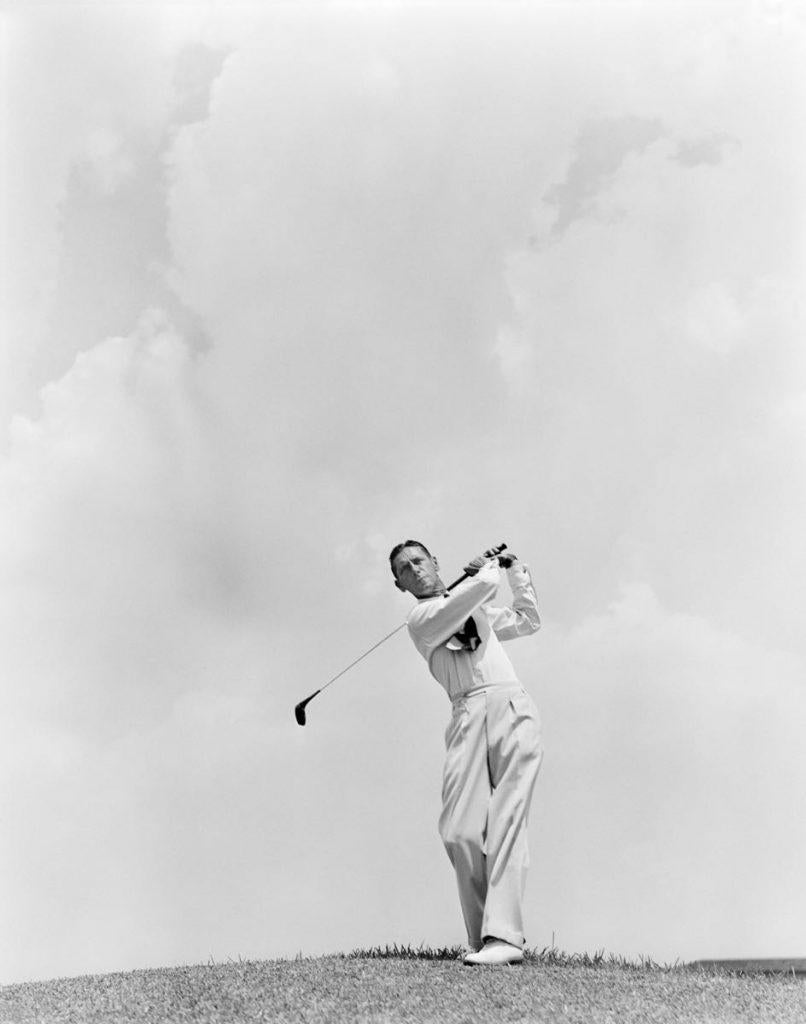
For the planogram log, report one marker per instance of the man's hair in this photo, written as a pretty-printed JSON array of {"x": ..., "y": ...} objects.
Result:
[{"x": 399, "y": 547}]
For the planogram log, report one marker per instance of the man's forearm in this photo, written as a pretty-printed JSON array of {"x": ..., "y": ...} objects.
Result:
[
  {"x": 524, "y": 598},
  {"x": 521, "y": 618}
]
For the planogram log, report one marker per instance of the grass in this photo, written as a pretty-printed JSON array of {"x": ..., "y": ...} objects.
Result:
[{"x": 399, "y": 983}]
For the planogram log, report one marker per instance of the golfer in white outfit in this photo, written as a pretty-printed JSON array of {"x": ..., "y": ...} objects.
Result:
[{"x": 493, "y": 744}]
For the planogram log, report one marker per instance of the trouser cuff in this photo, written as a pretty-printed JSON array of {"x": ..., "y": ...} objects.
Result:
[{"x": 513, "y": 938}]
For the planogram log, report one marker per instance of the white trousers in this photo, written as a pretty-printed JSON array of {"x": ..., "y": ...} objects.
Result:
[{"x": 493, "y": 755}]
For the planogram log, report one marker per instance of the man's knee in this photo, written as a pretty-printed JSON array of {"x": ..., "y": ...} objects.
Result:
[{"x": 460, "y": 838}]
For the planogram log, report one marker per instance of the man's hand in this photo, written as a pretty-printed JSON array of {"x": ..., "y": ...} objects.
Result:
[
  {"x": 505, "y": 561},
  {"x": 473, "y": 567}
]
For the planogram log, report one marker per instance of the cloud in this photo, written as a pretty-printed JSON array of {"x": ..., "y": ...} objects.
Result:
[
  {"x": 133, "y": 675},
  {"x": 197, "y": 68},
  {"x": 659, "y": 338},
  {"x": 600, "y": 148},
  {"x": 111, "y": 535},
  {"x": 88, "y": 174},
  {"x": 672, "y": 764},
  {"x": 368, "y": 294},
  {"x": 710, "y": 149}
]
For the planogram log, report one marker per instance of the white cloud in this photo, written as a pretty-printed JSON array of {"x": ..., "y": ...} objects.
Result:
[
  {"x": 91, "y": 96},
  {"x": 663, "y": 333},
  {"x": 110, "y": 528},
  {"x": 673, "y": 761},
  {"x": 133, "y": 670}
]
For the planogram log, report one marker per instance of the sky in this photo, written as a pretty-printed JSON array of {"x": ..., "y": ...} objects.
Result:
[{"x": 285, "y": 284}]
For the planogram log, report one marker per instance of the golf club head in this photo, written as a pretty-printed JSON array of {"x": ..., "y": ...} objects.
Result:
[{"x": 299, "y": 710}]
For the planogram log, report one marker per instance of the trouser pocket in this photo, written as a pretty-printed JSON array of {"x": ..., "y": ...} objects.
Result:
[{"x": 526, "y": 724}]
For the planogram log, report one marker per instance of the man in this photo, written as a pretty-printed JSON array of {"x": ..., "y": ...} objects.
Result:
[{"x": 493, "y": 744}]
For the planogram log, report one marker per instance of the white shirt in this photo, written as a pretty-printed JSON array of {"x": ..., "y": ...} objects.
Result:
[{"x": 433, "y": 621}]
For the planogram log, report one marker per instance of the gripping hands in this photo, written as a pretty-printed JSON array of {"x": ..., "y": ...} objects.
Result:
[{"x": 505, "y": 561}]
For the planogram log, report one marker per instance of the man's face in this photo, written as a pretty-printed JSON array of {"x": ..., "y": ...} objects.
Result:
[{"x": 417, "y": 572}]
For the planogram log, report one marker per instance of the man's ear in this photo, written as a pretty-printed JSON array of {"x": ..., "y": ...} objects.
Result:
[{"x": 399, "y": 587}]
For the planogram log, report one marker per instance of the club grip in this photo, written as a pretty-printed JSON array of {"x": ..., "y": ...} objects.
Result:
[{"x": 490, "y": 553}]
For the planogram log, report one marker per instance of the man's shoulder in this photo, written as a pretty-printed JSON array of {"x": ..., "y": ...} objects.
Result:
[
  {"x": 421, "y": 608},
  {"x": 424, "y": 613}
]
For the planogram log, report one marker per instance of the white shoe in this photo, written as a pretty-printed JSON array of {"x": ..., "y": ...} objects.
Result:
[{"x": 494, "y": 953}]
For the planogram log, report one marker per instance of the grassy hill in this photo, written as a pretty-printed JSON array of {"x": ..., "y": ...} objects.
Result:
[{"x": 391, "y": 985}]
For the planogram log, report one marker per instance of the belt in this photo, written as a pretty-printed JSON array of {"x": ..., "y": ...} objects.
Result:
[{"x": 476, "y": 691}]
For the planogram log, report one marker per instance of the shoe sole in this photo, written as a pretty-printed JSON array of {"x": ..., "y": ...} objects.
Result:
[{"x": 501, "y": 963}]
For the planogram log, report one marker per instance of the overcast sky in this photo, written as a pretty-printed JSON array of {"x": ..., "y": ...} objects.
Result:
[{"x": 285, "y": 284}]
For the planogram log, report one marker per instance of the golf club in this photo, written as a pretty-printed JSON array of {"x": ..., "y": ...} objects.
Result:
[{"x": 299, "y": 710}]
